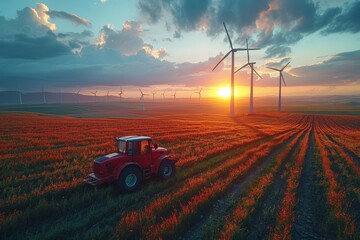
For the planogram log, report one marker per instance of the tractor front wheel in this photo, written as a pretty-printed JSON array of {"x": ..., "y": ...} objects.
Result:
[
  {"x": 166, "y": 169},
  {"x": 129, "y": 180}
]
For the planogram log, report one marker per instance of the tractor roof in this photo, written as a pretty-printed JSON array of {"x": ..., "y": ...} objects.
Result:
[{"x": 133, "y": 138}]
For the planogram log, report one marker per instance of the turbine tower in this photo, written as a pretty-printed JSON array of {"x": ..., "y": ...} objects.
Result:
[
  {"x": 232, "y": 51},
  {"x": 251, "y": 65},
  {"x": 78, "y": 95},
  {"x": 153, "y": 93},
  {"x": 107, "y": 97},
  {"x": 94, "y": 95},
  {"x": 20, "y": 97},
  {"x": 174, "y": 95},
  {"x": 121, "y": 93},
  {"x": 163, "y": 94},
  {"x": 280, "y": 77},
  {"x": 199, "y": 92},
  {"x": 44, "y": 98},
  {"x": 142, "y": 99}
]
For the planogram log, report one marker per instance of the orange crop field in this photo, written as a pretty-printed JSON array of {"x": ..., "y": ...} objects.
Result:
[{"x": 262, "y": 176}]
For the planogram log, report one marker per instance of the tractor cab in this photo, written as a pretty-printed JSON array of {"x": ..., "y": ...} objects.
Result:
[
  {"x": 135, "y": 159},
  {"x": 133, "y": 145}
]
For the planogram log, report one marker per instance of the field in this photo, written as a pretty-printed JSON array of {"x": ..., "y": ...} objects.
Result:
[{"x": 270, "y": 175}]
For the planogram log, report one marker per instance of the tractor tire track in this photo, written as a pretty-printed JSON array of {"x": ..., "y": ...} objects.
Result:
[
  {"x": 263, "y": 220},
  {"x": 221, "y": 206},
  {"x": 304, "y": 227}
]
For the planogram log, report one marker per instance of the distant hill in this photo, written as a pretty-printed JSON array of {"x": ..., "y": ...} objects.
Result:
[{"x": 13, "y": 98}]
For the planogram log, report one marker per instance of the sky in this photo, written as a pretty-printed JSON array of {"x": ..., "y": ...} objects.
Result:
[{"x": 173, "y": 45}]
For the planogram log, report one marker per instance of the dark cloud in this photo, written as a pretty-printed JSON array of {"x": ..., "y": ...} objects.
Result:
[
  {"x": 340, "y": 69},
  {"x": 177, "y": 34},
  {"x": 22, "y": 46},
  {"x": 102, "y": 66},
  {"x": 272, "y": 24},
  {"x": 277, "y": 51},
  {"x": 68, "y": 16},
  {"x": 279, "y": 64},
  {"x": 348, "y": 21},
  {"x": 152, "y": 9}
]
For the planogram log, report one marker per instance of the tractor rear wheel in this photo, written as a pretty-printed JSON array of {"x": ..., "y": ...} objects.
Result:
[
  {"x": 129, "y": 180},
  {"x": 166, "y": 169}
]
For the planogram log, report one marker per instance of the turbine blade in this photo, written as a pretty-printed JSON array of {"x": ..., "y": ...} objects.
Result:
[
  {"x": 221, "y": 60},
  {"x": 228, "y": 36},
  {"x": 273, "y": 69},
  {"x": 247, "y": 50},
  {"x": 241, "y": 68},
  {"x": 285, "y": 66},
  {"x": 256, "y": 72},
  {"x": 241, "y": 49},
  {"x": 282, "y": 77},
  {"x": 141, "y": 91}
]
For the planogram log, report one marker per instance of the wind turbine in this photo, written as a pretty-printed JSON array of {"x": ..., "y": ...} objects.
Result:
[
  {"x": 44, "y": 98},
  {"x": 20, "y": 97},
  {"x": 94, "y": 95},
  {"x": 107, "y": 97},
  {"x": 142, "y": 99},
  {"x": 199, "y": 92},
  {"x": 232, "y": 51},
  {"x": 174, "y": 95},
  {"x": 78, "y": 95},
  {"x": 121, "y": 93},
  {"x": 163, "y": 94},
  {"x": 251, "y": 65},
  {"x": 153, "y": 93},
  {"x": 280, "y": 77}
]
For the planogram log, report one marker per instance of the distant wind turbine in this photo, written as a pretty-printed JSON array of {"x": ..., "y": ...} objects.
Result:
[
  {"x": 163, "y": 94},
  {"x": 251, "y": 65},
  {"x": 232, "y": 51},
  {"x": 78, "y": 95},
  {"x": 94, "y": 95},
  {"x": 174, "y": 95},
  {"x": 107, "y": 97},
  {"x": 153, "y": 93},
  {"x": 121, "y": 93},
  {"x": 199, "y": 92},
  {"x": 44, "y": 98},
  {"x": 280, "y": 77},
  {"x": 142, "y": 99},
  {"x": 20, "y": 97}
]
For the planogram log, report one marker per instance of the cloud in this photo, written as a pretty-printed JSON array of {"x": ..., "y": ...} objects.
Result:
[
  {"x": 31, "y": 35},
  {"x": 71, "y": 17},
  {"x": 340, "y": 69},
  {"x": 29, "y": 21},
  {"x": 272, "y": 24},
  {"x": 348, "y": 21},
  {"x": 22, "y": 46},
  {"x": 128, "y": 40},
  {"x": 103, "y": 67}
]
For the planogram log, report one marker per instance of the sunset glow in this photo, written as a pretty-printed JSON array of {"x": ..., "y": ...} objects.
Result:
[{"x": 225, "y": 92}]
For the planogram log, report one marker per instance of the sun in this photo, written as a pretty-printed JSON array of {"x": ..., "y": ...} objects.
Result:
[{"x": 224, "y": 92}]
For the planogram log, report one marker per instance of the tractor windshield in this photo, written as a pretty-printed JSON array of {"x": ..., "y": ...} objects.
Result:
[{"x": 121, "y": 146}]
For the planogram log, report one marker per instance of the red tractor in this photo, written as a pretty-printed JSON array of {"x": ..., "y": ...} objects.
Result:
[{"x": 135, "y": 159}]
